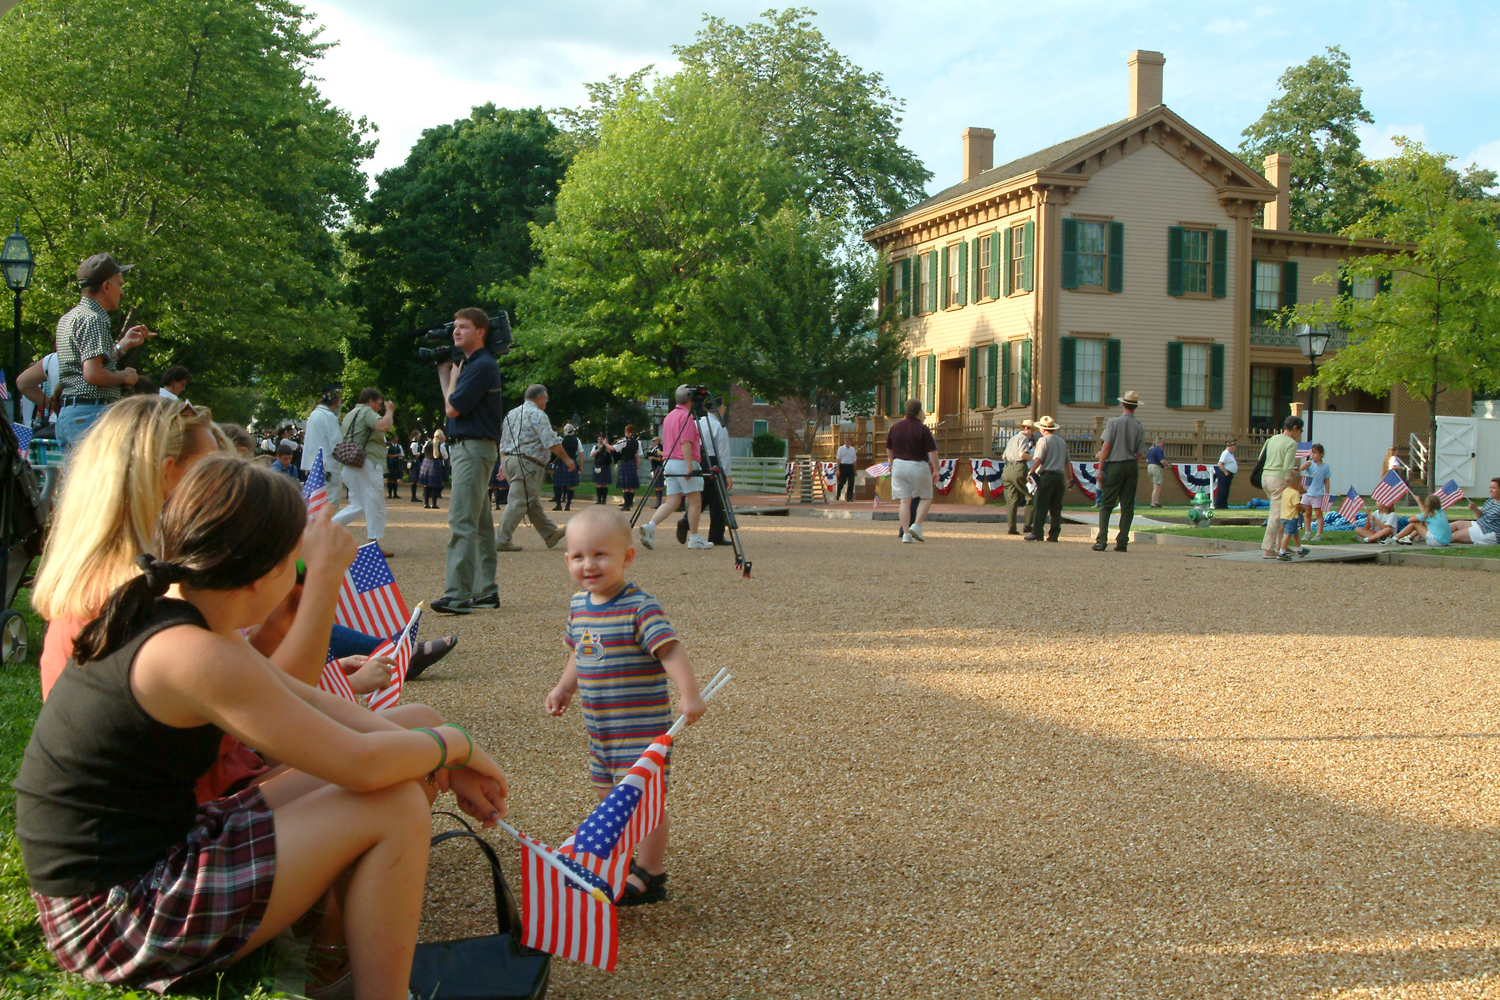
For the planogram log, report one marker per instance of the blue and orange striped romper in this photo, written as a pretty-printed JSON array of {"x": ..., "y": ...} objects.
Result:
[{"x": 621, "y": 683}]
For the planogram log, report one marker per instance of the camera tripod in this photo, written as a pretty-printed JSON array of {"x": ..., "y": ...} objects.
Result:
[{"x": 713, "y": 471}]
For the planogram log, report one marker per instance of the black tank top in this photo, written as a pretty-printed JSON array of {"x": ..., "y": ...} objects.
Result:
[{"x": 104, "y": 789}]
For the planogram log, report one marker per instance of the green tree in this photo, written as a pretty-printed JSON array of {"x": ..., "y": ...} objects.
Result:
[
  {"x": 1314, "y": 122},
  {"x": 798, "y": 325},
  {"x": 448, "y": 229},
  {"x": 1436, "y": 326},
  {"x": 185, "y": 137}
]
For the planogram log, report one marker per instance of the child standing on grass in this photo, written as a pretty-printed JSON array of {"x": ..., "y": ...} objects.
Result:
[
  {"x": 623, "y": 650},
  {"x": 1291, "y": 522},
  {"x": 1315, "y": 500}
]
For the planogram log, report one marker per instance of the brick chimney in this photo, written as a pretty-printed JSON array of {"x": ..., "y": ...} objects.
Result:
[
  {"x": 979, "y": 151},
  {"x": 1279, "y": 173},
  {"x": 1145, "y": 81}
]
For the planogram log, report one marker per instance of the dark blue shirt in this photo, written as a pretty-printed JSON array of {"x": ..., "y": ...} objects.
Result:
[
  {"x": 1155, "y": 455},
  {"x": 477, "y": 398}
]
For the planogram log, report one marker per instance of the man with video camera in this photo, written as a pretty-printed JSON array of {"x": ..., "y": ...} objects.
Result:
[{"x": 471, "y": 399}]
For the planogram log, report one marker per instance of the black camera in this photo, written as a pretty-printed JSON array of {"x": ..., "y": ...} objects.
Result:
[
  {"x": 698, "y": 398},
  {"x": 498, "y": 340}
]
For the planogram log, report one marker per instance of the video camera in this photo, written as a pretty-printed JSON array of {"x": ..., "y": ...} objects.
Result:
[
  {"x": 698, "y": 400},
  {"x": 498, "y": 340}
]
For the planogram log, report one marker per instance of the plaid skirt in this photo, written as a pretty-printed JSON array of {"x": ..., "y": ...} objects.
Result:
[
  {"x": 626, "y": 475},
  {"x": 563, "y": 478},
  {"x": 601, "y": 475},
  {"x": 186, "y": 916},
  {"x": 432, "y": 473}
]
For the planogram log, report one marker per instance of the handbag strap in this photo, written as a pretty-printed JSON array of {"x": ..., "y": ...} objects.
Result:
[{"x": 507, "y": 916}]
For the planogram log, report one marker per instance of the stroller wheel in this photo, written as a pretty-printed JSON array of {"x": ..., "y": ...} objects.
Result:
[{"x": 13, "y": 636}]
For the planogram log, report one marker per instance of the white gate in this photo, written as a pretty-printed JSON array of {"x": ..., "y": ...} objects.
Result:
[{"x": 1457, "y": 445}]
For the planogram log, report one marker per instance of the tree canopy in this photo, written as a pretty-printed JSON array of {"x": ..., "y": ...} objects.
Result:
[
  {"x": 1314, "y": 121},
  {"x": 188, "y": 139}
]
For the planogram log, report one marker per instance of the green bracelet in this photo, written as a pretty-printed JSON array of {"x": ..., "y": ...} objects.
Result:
[
  {"x": 442, "y": 744},
  {"x": 460, "y": 767}
]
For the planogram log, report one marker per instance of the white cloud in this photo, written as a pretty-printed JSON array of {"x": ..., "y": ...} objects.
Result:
[
  {"x": 1224, "y": 26},
  {"x": 1487, "y": 156},
  {"x": 1377, "y": 142}
]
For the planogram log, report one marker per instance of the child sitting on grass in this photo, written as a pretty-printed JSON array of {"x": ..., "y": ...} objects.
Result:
[
  {"x": 1291, "y": 522},
  {"x": 1431, "y": 525},
  {"x": 1380, "y": 525},
  {"x": 623, "y": 651}
]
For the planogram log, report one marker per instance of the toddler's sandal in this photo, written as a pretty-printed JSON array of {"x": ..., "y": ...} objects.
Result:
[{"x": 655, "y": 891}]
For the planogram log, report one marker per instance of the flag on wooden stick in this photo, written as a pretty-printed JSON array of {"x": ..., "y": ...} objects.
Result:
[
  {"x": 627, "y": 816},
  {"x": 369, "y": 601},
  {"x": 1389, "y": 490},
  {"x": 398, "y": 649},
  {"x": 1450, "y": 493},
  {"x": 335, "y": 682},
  {"x": 560, "y": 918},
  {"x": 1352, "y": 505}
]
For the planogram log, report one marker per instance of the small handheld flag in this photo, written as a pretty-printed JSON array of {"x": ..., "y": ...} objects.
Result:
[
  {"x": 334, "y": 682},
  {"x": 1352, "y": 505},
  {"x": 878, "y": 469},
  {"x": 1389, "y": 490},
  {"x": 5, "y": 386},
  {"x": 315, "y": 490},
  {"x": 1450, "y": 493},
  {"x": 369, "y": 600},
  {"x": 398, "y": 649}
]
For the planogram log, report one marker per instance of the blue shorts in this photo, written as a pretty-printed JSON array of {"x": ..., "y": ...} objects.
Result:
[{"x": 1291, "y": 527}]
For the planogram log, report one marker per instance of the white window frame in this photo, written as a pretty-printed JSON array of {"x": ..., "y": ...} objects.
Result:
[
  {"x": 1087, "y": 225},
  {"x": 1195, "y": 363},
  {"x": 759, "y": 427},
  {"x": 985, "y": 262},
  {"x": 1088, "y": 381},
  {"x": 1268, "y": 273},
  {"x": 1364, "y": 288},
  {"x": 921, "y": 392},
  {"x": 955, "y": 284},
  {"x": 1191, "y": 265},
  {"x": 982, "y": 385}
]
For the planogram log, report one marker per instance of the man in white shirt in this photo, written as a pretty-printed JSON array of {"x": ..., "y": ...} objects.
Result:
[
  {"x": 36, "y": 386},
  {"x": 715, "y": 438},
  {"x": 1227, "y": 467},
  {"x": 323, "y": 432},
  {"x": 845, "y": 457},
  {"x": 174, "y": 382}
]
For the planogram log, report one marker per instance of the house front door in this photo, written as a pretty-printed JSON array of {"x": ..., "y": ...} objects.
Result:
[{"x": 952, "y": 386}]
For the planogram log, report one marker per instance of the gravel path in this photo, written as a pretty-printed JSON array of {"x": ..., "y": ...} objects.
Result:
[{"x": 976, "y": 767}]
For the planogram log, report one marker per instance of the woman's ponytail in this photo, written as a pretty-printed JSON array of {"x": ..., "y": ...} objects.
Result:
[{"x": 127, "y": 609}]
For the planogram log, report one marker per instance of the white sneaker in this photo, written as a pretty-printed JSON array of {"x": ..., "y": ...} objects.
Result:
[
  {"x": 648, "y": 534},
  {"x": 906, "y": 539},
  {"x": 916, "y": 532},
  {"x": 699, "y": 542}
]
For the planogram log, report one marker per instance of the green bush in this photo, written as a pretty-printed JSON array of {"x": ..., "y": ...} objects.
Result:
[{"x": 767, "y": 445}]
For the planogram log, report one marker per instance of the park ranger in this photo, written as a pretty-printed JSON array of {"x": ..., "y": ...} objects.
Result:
[
  {"x": 1017, "y": 461},
  {"x": 1119, "y": 467}
]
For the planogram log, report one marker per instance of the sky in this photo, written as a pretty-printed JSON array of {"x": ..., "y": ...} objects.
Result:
[{"x": 1035, "y": 73}]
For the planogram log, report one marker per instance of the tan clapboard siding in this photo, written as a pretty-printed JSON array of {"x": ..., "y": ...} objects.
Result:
[
  {"x": 949, "y": 333},
  {"x": 1308, "y": 288},
  {"x": 1149, "y": 192}
]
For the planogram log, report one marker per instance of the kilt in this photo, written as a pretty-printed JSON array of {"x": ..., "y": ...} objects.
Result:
[
  {"x": 498, "y": 480},
  {"x": 561, "y": 476},
  {"x": 432, "y": 473},
  {"x": 186, "y": 916},
  {"x": 601, "y": 474},
  {"x": 627, "y": 477},
  {"x": 416, "y": 469}
]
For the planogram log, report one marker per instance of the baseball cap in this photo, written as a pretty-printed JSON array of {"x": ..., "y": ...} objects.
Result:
[{"x": 100, "y": 268}]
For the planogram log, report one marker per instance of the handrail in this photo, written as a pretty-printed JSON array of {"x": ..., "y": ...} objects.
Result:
[{"x": 1417, "y": 456}]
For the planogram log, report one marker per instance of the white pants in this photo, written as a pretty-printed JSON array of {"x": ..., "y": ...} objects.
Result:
[{"x": 366, "y": 486}]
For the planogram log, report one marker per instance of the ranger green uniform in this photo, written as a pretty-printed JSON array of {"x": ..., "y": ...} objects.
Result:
[{"x": 1125, "y": 437}]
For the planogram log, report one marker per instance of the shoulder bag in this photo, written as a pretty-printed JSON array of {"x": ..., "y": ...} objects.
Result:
[
  {"x": 346, "y": 452},
  {"x": 493, "y": 967},
  {"x": 1260, "y": 467}
]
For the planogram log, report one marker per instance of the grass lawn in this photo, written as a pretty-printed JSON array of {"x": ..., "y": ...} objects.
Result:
[
  {"x": 26, "y": 967},
  {"x": 1251, "y": 533}
]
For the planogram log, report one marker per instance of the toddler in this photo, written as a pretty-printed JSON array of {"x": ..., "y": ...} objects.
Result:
[
  {"x": 623, "y": 650},
  {"x": 1431, "y": 525},
  {"x": 1291, "y": 522},
  {"x": 1316, "y": 474}
]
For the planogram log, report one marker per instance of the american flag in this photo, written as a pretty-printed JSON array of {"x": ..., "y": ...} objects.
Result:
[
  {"x": 398, "y": 649},
  {"x": 334, "y": 682},
  {"x": 558, "y": 917},
  {"x": 1304, "y": 451},
  {"x": 878, "y": 469},
  {"x": 626, "y": 816},
  {"x": 23, "y": 437},
  {"x": 315, "y": 490},
  {"x": 1389, "y": 490},
  {"x": 369, "y": 601},
  {"x": 1450, "y": 493},
  {"x": 1352, "y": 505},
  {"x": 4, "y": 388}
]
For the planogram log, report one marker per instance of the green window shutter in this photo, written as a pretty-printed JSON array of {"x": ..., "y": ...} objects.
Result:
[
  {"x": 977, "y": 292},
  {"x": 1028, "y": 269},
  {"x": 1025, "y": 379},
  {"x": 932, "y": 281},
  {"x": 1221, "y": 263},
  {"x": 906, "y": 292},
  {"x": 1254, "y": 284},
  {"x": 1216, "y": 376},
  {"x": 1070, "y": 253},
  {"x": 930, "y": 403},
  {"x": 943, "y": 302},
  {"x": 993, "y": 291},
  {"x": 890, "y": 285},
  {"x": 1384, "y": 284},
  {"x": 1009, "y": 255},
  {"x": 1288, "y": 284},
  {"x": 1346, "y": 287},
  {"x": 1174, "y": 260},
  {"x": 1174, "y": 374},
  {"x": 1111, "y": 370},
  {"x": 1117, "y": 256},
  {"x": 994, "y": 359},
  {"x": 963, "y": 273},
  {"x": 974, "y": 378},
  {"x": 1005, "y": 399},
  {"x": 905, "y": 395},
  {"x": 1067, "y": 379}
]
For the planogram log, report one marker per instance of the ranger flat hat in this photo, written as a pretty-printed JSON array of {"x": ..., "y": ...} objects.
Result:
[
  {"x": 1047, "y": 424},
  {"x": 1131, "y": 398},
  {"x": 100, "y": 268},
  {"x": 1027, "y": 423}
]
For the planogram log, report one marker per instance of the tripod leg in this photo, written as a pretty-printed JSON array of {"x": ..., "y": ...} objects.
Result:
[{"x": 652, "y": 487}]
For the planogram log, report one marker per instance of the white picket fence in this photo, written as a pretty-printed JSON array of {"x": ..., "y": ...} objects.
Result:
[{"x": 759, "y": 475}]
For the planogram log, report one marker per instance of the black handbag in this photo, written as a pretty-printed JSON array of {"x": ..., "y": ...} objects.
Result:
[
  {"x": 494, "y": 967},
  {"x": 1259, "y": 470}
]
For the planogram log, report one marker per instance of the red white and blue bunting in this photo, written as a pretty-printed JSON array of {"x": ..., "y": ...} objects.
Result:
[
  {"x": 791, "y": 470},
  {"x": 986, "y": 472},
  {"x": 1085, "y": 475},
  {"x": 946, "y": 469},
  {"x": 830, "y": 472},
  {"x": 1194, "y": 478}
]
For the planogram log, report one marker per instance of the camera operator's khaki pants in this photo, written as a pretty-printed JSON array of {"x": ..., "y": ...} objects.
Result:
[
  {"x": 469, "y": 572},
  {"x": 525, "y": 478}
]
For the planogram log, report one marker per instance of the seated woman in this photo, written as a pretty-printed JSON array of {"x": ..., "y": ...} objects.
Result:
[
  {"x": 1430, "y": 526},
  {"x": 137, "y": 883},
  {"x": 1485, "y": 530},
  {"x": 1380, "y": 524}
]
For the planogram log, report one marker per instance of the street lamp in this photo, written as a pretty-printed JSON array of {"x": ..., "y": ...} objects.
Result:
[
  {"x": 17, "y": 263},
  {"x": 1313, "y": 340}
]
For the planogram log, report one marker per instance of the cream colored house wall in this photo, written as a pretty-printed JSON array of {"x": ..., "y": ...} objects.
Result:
[
  {"x": 1150, "y": 191},
  {"x": 1309, "y": 289}
]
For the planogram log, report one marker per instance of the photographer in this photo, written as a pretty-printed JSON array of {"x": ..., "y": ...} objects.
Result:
[
  {"x": 471, "y": 399},
  {"x": 682, "y": 454},
  {"x": 715, "y": 440}
]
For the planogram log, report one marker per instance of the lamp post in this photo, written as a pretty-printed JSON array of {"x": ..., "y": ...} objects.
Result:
[
  {"x": 1313, "y": 340},
  {"x": 17, "y": 262}
]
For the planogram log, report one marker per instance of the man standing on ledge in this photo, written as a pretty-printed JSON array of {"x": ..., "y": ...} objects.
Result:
[
  {"x": 87, "y": 355},
  {"x": 471, "y": 399},
  {"x": 525, "y": 441},
  {"x": 1119, "y": 463},
  {"x": 913, "y": 454}
]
